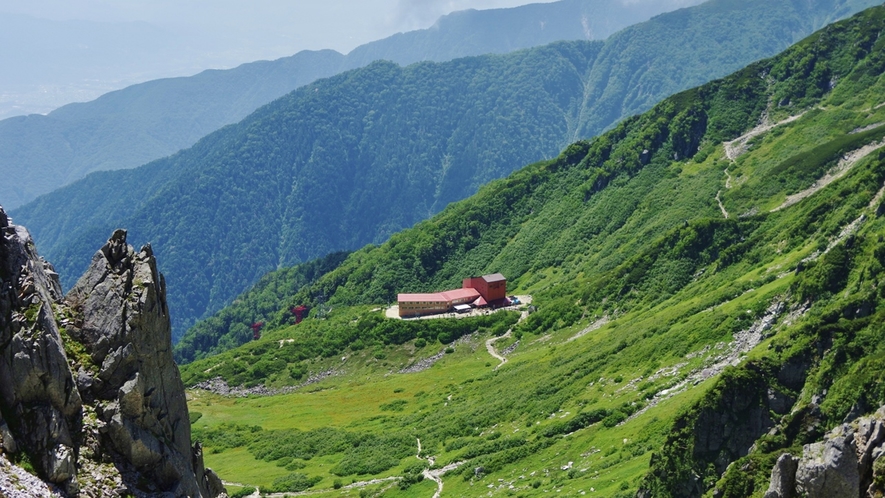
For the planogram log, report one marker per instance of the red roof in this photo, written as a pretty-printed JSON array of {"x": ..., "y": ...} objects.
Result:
[
  {"x": 481, "y": 302},
  {"x": 421, "y": 298},
  {"x": 460, "y": 294},
  {"x": 447, "y": 296}
]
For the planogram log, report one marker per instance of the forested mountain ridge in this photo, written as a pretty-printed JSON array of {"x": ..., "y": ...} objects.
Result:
[
  {"x": 130, "y": 127},
  {"x": 525, "y": 225},
  {"x": 708, "y": 279},
  {"x": 352, "y": 159}
]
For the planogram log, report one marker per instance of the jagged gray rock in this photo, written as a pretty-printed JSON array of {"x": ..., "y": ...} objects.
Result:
[
  {"x": 126, "y": 330},
  {"x": 38, "y": 396},
  {"x": 122, "y": 420},
  {"x": 847, "y": 463},
  {"x": 783, "y": 477},
  {"x": 829, "y": 468}
]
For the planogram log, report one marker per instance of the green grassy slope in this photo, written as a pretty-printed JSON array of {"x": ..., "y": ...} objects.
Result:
[
  {"x": 355, "y": 158},
  {"x": 669, "y": 338}
]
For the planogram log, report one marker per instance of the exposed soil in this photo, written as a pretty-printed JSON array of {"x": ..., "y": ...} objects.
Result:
[{"x": 845, "y": 164}]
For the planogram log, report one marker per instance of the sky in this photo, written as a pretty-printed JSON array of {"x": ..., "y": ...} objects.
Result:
[
  {"x": 285, "y": 26},
  {"x": 75, "y": 50}
]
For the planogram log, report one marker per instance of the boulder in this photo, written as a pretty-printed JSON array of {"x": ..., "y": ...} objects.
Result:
[
  {"x": 848, "y": 462},
  {"x": 783, "y": 477},
  {"x": 829, "y": 468}
]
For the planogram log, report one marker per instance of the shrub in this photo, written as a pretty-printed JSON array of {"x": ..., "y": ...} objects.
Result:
[
  {"x": 293, "y": 482},
  {"x": 243, "y": 493}
]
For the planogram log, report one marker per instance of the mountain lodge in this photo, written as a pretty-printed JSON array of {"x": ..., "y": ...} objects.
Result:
[{"x": 475, "y": 292}]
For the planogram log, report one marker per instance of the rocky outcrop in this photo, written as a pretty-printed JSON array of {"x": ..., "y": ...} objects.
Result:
[
  {"x": 139, "y": 395},
  {"x": 124, "y": 411},
  {"x": 39, "y": 402},
  {"x": 783, "y": 477},
  {"x": 848, "y": 463}
]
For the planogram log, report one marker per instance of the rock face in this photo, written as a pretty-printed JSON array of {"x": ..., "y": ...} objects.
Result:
[
  {"x": 847, "y": 463},
  {"x": 126, "y": 405},
  {"x": 783, "y": 477},
  {"x": 39, "y": 402}
]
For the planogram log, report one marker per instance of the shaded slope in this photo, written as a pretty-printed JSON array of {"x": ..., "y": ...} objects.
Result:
[{"x": 352, "y": 159}]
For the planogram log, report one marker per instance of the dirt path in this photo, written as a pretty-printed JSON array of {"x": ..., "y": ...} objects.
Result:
[
  {"x": 844, "y": 166},
  {"x": 721, "y": 206},
  {"x": 728, "y": 178},
  {"x": 428, "y": 474},
  {"x": 436, "y": 474},
  {"x": 492, "y": 351},
  {"x": 490, "y": 343},
  {"x": 737, "y": 147}
]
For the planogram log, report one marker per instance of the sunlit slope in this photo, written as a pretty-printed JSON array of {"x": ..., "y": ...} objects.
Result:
[
  {"x": 694, "y": 301},
  {"x": 603, "y": 201}
]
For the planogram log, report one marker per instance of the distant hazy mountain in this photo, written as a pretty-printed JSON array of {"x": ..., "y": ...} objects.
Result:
[
  {"x": 351, "y": 159},
  {"x": 130, "y": 127}
]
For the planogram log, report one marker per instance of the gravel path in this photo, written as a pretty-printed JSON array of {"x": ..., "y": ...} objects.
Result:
[
  {"x": 490, "y": 347},
  {"x": 845, "y": 164},
  {"x": 737, "y": 147}
]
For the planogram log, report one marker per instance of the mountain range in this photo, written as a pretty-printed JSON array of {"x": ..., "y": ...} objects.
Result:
[
  {"x": 701, "y": 290},
  {"x": 135, "y": 125},
  {"x": 354, "y": 158}
]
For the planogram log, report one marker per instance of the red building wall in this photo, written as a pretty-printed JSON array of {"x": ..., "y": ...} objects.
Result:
[{"x": 490, "y": 287}]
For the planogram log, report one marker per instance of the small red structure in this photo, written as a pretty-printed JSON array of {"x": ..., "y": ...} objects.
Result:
[
  {"x": 256, "y": 330},
  {"x": 299, "y": 312}
]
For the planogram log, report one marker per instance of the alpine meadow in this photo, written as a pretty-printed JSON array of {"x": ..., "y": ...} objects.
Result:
[{"x": 707, "y": 278}]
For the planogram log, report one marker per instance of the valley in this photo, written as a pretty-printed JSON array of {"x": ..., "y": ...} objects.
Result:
[
  {"x": 701, "y": 286},
  {"x": 669, "y": 341},
  {"x": 352, "y": 159}
]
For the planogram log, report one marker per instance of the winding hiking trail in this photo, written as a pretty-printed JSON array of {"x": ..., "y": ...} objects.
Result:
[
  {"x": 737, "y": 147},
  {"x": 436, "y": 474},
  {"x": 740, "y": 145},
  {"x": 490, "y": 343},
  {"x": 492, "y": 351},
  {"x": 721, "y": 206}
]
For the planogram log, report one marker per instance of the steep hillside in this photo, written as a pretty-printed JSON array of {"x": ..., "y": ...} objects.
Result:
[
  {"x": 354, "y": 158},
  {"x": 708, "y": 278},
  {"x": 130, "y": 127}
]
